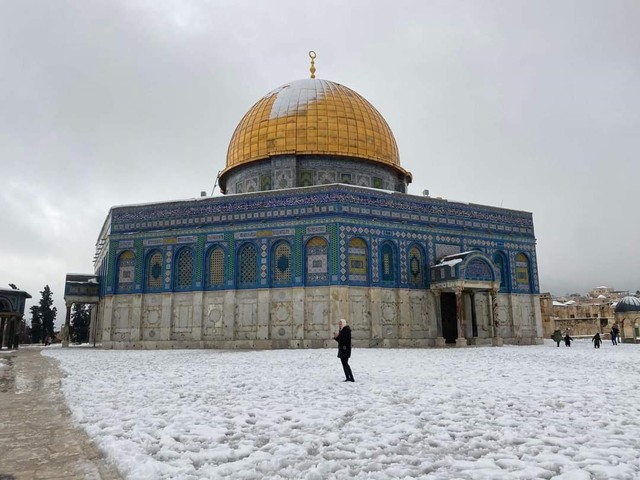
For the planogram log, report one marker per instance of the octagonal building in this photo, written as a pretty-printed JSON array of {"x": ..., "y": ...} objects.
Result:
[{"x": 315, "y": 225}]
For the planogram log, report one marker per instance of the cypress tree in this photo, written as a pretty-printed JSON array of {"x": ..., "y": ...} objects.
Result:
[
  {"x": 80, "y": 318},
  {"x": 47, "y": 313},
  {"x": 36, "y": 324}
]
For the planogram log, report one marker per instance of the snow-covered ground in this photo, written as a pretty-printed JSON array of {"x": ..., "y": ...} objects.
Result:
[{"x": 538, "y": 412}]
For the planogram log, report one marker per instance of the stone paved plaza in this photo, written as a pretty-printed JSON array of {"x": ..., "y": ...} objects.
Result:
[{"x": 38, "y": 439}]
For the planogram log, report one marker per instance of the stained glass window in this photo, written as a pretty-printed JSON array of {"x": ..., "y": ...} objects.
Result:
[
  {"x": 216, "y": 267},
  {"x": 317, "y": 260},
  {"x": 265, "y": 182},
  {"x": 154, "y": 271},
  {"x": 248, "y": 266},
  {"x": 281, "y": 264},
  {"x": 306, "y": 178},
  {"x": 522, "y": 272},
  {"x": 358, "y": 260},
  {"x": 501, "y": 263},
  {"x": 416, "y": 269},
  {"x": 126, "y": 271},
  {"x": 387, "y": 263},
  {"x": 184, "y": 269}
]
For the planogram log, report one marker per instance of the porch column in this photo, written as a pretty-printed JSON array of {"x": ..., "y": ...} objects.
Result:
[
  {"x": 3, "y": 322},
  {"x": 461, "y": 341},
  {"x": 440, "y": 341},
  {"x": 496, "y": 340},
  {"x": 67, "y": 325},
  {"x": 14, "y": 332},
  {"x": 474, "y": 318},
  {"x": 9, "y": 332},
  {"x": 92, "y": 323}
]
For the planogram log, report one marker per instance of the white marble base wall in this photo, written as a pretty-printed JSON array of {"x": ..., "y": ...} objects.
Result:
[
  {"x": 519, "y": 319},
  {"x": 302, "y": 318}
]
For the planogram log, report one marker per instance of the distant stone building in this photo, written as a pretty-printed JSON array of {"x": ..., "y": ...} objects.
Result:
[
  {"x": 610, "y": 294},
  {"x": 582, "y": 318},
  {"x": 595, "y": 313}
]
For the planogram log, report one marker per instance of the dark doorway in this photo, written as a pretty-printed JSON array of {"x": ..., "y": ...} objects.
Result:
[
  {"x": 474, "y": 319},
  {"x": 448, "y": 311}
]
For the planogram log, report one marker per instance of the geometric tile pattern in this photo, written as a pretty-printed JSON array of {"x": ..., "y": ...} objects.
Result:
[
  {"x": 248, "y": 260},
  {"x": 126, "y": 271},
  {"x": 478, "y": 270},
  {"x": 387, "y": 255},
  {"x": 216, "y": 267},
  {"x": 522, "y": 272},
  {"x": 358, "y": 259},
  {"x": 277, "y": 205},
  {"x": 281, "y": 268},
  {"x": 317, "y": 260},
  {"x": 155, "y": 271},
  {"x": 412, "y": 226},
  {"x": 501, "y": 263},
  {"x": 416, "y": 267},
  {"x": 184, "y": 277}
]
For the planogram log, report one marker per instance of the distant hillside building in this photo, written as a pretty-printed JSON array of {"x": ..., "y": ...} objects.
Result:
[
  {"x": 608, "y": 293},
  {"x": 316, "y": 225},
  {"x": 584, "y": 318},
  {"x": 590, "y": 314}
]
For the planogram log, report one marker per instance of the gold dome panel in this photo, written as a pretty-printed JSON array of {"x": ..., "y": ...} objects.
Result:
[{"x": 312, "y": 116}]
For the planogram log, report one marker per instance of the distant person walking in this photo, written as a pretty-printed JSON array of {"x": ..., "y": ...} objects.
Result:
[
  {"x": 343, "y": 337},
  {"x": 557, "y": 337},
  {"x": 615, "y": 333},
  {"x": 567, "y": 340},
  {"x": 596, "y": 340}
]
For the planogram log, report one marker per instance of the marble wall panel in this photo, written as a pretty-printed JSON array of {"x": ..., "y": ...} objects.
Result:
[{"x": 298, "y": 317}]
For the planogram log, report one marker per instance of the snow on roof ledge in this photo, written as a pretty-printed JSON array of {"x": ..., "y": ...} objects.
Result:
[{"x": 450, "y": 263}]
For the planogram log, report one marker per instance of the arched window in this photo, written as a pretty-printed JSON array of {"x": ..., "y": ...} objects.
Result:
[
  {"x": 500, "y": 259},
  {"x": 416, "y": 267},
  {"x": 5, "y": 305},
  {"x": 183, "y": 273},
  {"x": 358, "y": 265},
  {"x": 522, "y": 272},
  {"x": 281, "y": 264},
  {"x": 317, "y": 257},
  {"x": 126, "y": 272},
  {"x": 387, "y": 262},
  {"x": 478, "y": 269},
  {"x": 215, "y": 267},
  {"x": 154, "y": 271},
  {"x": 247, "y": 266}
]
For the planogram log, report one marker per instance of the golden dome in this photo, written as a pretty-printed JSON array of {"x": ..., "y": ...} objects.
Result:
[{"x": 313, "y": 116}]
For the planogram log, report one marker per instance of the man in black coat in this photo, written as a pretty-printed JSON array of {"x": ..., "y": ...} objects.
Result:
[{"x": 343, "y": 337}]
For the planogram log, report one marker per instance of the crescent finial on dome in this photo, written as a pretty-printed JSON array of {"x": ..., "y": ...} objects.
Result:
[{"x": 312, "y": 56}]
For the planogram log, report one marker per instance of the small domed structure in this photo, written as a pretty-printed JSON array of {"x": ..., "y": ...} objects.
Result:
[
  {"x": 627, "y": 316},
  {"x": 628, "y": 304}
]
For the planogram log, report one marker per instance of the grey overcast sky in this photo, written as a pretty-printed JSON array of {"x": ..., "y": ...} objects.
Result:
[{"x": 528, "y": 105}]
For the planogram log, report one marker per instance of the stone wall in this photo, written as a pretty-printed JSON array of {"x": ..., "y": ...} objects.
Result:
[
  {"x": 302, "y": 318},
  {"x": 581, "y": 319}
]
